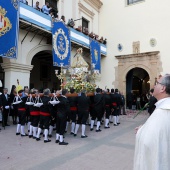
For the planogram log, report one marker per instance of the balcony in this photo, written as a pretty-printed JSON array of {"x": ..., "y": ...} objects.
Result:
[{"x": 39, "y": 23}]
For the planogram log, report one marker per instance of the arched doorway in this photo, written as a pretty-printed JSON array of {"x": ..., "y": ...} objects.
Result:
[
  {"x": 43, "y": 73},
  {"x": 137, "y": 80}
]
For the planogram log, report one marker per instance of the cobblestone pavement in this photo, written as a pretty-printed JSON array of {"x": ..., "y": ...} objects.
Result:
[{"x": 110, "y": 149}]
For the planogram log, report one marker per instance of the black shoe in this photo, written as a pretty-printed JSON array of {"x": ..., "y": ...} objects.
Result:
[
  {"x": 124, "y": 114},
  {"x": 95, "y": 125},
  {"x": 7, "y": 125},
  {"x": 71, "y": 133},
  {"x": 75, "y": 135},
  {"x": 115, "y": 125},
  {"x": 110, "y": 122},
  {"x": 63, "y": 143},
  {"x": 49, "y": 136},
  {"x": 24, "y": 135},
  {"x": 41, "y": 133},
  {"x": 17, "y": 133},
  {"x": 84, "y": 136},
  {"x": 106, "y": 127},
  {"x": 30, "y": 136},
  {"x": 99, "y": 130},
  {"x": 34, "y": 137},
  {"x": 91, "y": 129},
  {"x": 118, "y": 123},
  {"x": 37, "y": 139},
  {"x": 45, "y": 141},
  {"x": 57, "y": 141}
]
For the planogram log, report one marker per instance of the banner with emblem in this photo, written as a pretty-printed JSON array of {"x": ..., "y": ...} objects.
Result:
[
  {"x": 61, "y": 44},
  {"x": 9, "y": 25},
  {"x": 95, "y": 54}
]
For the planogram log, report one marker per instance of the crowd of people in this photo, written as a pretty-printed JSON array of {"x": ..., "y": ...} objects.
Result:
[
  {"x": 137, "y": 101},
  {"x": 44, "y": 111},
  {"x": 46, "y": 9}
]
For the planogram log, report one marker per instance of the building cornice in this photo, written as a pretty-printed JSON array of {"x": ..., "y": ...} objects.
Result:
[
  {"x": 153, "y": 53},
  {"x": 86, "y": 10},
  {"x": 16, "y": 67},
  {"x": 96, "y": 4}
]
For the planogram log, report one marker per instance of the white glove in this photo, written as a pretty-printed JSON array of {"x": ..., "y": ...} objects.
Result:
[
  {"x": 54, "y": 102},
  {"x": 6, "y": 107}
]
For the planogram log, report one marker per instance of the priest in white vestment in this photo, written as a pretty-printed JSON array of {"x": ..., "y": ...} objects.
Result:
[{"x": 152, "y": 150}]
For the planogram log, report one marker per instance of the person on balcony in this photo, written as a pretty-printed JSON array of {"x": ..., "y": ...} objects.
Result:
[
  {"x": 71, "y": 23},
  {"x": 46, "y": 8},
  {"x": 36, "y": 6},
  {"x": 24, "y": 1},
  {"x": 63, "y": 18}
]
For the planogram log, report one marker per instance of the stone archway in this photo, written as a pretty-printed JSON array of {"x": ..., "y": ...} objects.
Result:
[
  {"x": 138, "y": 81},
  {"x": 149, "y": 61},
  {"x": 36, "y": 50}
]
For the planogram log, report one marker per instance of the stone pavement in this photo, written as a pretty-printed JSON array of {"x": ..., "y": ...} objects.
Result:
[{"x": 110, "y": 149}]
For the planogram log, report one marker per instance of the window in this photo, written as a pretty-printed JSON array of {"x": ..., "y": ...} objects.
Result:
[
  {"x": 85, "y": 23},
  {"x": 133, "y": 1}
]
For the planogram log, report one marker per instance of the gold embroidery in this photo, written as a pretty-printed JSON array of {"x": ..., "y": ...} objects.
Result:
[
  {"x": 10, "y": 53},
  {"x": 15, "y": 4},
  {"x": 5, "y": 24}
]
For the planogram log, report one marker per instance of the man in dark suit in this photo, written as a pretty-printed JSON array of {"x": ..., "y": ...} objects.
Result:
[
  {"x": 5, "y": 105},
  {"x": 83, "y": 103},
  {"x": 152, "y": 101},
  {"x": 99, "y": 104},
  {"x": 63, "y": 109}
]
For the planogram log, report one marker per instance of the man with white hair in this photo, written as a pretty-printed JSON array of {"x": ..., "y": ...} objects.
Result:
[{"x": 152, "y": 150}]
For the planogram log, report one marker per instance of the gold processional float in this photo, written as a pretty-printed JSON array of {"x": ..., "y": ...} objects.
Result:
[{"x": 79, "y": 76}]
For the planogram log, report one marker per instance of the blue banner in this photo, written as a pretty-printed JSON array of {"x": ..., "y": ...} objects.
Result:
[
  {"x": 61, "y": 44},
  {"x": 95, "y": 54},
  {"x": 9, "y": 25}
]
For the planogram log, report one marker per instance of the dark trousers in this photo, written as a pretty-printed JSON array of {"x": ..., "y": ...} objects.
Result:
[
  {"x": 61, "y": 123},
  {"x": 5, "y": 113},
  {"x": 115, "y": 111},
  {"x": 82, "y": 116},
  {"x": 108, "y": 111},
  {"x": 22, "y": 117},
  {"x": 35, "y": 121},
  {"x": 123, "y": 108},
  {"x": 93, "y": 114},
  {"x": 73, "y": 114},
  {"x": 44, "y": 122},
  {"x": 52, "y": 121}
]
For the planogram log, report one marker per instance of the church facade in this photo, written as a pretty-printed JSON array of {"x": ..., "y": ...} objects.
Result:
[{"x": 137, "y": 33}]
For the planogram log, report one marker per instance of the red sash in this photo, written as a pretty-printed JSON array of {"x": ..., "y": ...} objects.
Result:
[
  {"x": 35, "y": 113},
  {"x": 22, "y": 109},
  {"x": 44, "y": 114},
  {"x": 73, "y": 108}
]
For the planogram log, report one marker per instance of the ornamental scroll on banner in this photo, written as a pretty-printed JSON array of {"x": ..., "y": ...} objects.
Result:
[
  {"x": 95, "y": 54},
  {"x": 61, "y": 44},
  {"x": 9, "y": 28}
]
